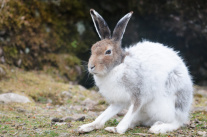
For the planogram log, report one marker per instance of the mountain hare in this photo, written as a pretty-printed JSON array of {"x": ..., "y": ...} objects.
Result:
[{"x": 149, "y": 79}]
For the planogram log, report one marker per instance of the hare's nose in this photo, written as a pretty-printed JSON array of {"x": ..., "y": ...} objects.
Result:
[{"x": 92, "y": 67}]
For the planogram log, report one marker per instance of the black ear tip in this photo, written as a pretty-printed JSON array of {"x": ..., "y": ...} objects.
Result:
[{"x": 92, "y": 11}]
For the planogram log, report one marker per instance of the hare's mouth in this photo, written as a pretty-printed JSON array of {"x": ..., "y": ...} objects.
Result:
[{"x": 96, "y": 74}]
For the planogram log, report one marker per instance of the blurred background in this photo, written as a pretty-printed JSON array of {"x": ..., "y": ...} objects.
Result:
[{"x": 55, "y": 36}]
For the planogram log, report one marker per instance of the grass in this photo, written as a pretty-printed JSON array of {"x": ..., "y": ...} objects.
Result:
[{"x": 34, "y": 119}]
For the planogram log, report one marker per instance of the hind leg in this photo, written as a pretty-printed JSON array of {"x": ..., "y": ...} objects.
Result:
[{"x": 160, "y": 127}]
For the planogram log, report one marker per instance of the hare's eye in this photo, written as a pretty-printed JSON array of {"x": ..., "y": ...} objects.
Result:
[{"x": 108, "y": 52}]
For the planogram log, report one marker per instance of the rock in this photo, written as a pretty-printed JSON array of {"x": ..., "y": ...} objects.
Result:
[
  {"x": 69, "y": 125},
  {"x": 142, "y": 134},
  {"x": 4, "y": 131},
  {"x": 21, "y": 110},
  {"x": 61, "y": 108},
  {"x": 89, "y": 103},
  {"x": 77, "y": 107},
  {"x": 24, "y": 128},
  {"x": 92, "y": 114},
  {"x": 200, "y": 91},
  {"x": 77, "y": 117},
  {"x": 13, "y": 97},
  {"x": 13, "y": 125},
  {"x": 202, "y": 133},
  {"x": 81, "y": 88},
  {"x": 68, "y": 119},
  {"x": 66, "y": 94},
  {"x": 192, "y": 125},
  {"x": 55, "y": 120},
  {"x": 39, "y": 131},
  {"x": 29, "y": 116},
  {"x": 81, "y": 118},
  {"x": 198, "y": 109},
  {"x": 19, "y": 126},
  {"x": 49, "y": 101},
  {"x": 59, "y": 124},
  {"x": 64, "y": 135}
]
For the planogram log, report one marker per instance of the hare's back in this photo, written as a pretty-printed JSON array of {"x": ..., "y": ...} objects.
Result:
[{"x": 153, "y": 56}]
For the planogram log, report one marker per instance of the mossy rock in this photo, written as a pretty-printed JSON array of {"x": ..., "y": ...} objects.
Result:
[
  {"x": 67, "y": 65},
  {"x": 31, "y": 30}
]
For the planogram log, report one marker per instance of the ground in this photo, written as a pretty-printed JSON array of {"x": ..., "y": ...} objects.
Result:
[{"x": 58, "y": 108}]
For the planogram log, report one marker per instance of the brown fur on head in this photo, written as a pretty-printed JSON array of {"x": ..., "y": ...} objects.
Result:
[
  {"x": 103, "y": 62},
  {"x": 107, "y": 53}
]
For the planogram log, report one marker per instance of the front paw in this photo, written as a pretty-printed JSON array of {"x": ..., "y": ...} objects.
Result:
[
  {"x": 115, "y": 130},
  {"x": 111, "y": 129},
  {"x": 86, "y": 128},
  {"x": 89, "y": 127}
]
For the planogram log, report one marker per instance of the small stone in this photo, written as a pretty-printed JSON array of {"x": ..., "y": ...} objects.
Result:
[
  {"x": 49, "y": 101},
  {"x": 52, "y": 123},
  {"x": 142, "y": 134},
  {"x": 69, "y": 125},
  {"x": 75, "y": 131},
  {"x": 18, "y": 126},
  {"x": 34, "y": 127},
  {"x": 192, "y": 125},
  {"x": 21, "y": 110},
  {"x": 88, "y": 102},
  {"x": 55, "y": 120},
  {"x": 39, "y": 131},
  {"x": 68, "y": 119},
  {"x": 81, "y": 118},
  {"x": 29, "y": 116},
  {"x": 17, "y": 117},
  {"x": 13, "y": 125},
  {"x": 61, "y": 120},
  {"x": 64, "y": 135},
  {"x": 77, "y": 107},
  {"x": 13, "y": 97},
  {"x": 59, "y": 124},
  {"x": 62, "y": 108},
  {"x": 202, "y": 133},
  {"x": 92, "y": 114},
  {"x": 81, "y": 88},
  {"x": 4, "y": 131},
  {"x": 66, "y": 94}
]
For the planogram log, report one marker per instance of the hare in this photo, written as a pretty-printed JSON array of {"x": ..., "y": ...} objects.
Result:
[{"x": 148, "y": 79}]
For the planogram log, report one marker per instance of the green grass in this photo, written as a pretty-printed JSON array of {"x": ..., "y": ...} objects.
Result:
[{"x": 35, "y": 120}]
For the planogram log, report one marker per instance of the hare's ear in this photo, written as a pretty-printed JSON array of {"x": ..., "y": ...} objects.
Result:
[
  {"x": 120, "y": 27},
  {"x": 100, "y": 25}
]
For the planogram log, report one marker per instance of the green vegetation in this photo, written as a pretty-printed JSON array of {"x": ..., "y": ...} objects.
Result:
[
  {"x": 34, "y": 119},
  {"x": 36, "y": 34}
]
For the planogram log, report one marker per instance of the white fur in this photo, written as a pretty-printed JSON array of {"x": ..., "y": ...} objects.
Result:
[{"x": 163, "y": 81}]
